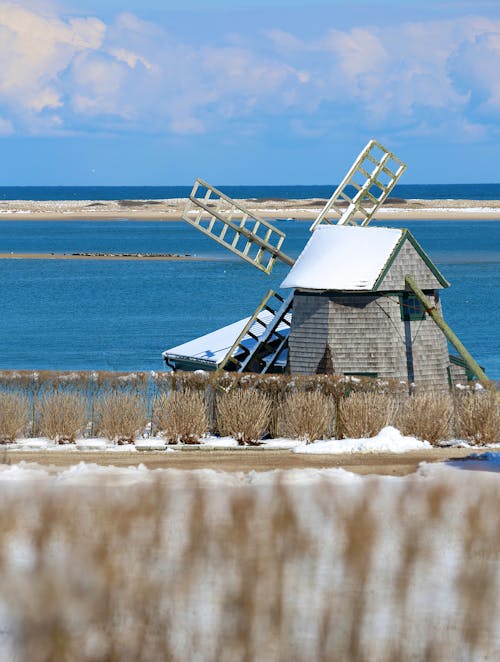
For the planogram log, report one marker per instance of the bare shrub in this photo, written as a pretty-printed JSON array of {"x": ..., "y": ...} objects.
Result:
[
  {"x": 307, "y": 415},
  {"x": 243, "y": 414},
  {"x": 121, "y": 417},
  {"x": 62, "y": 416},
  {"x": 477, "y": 416},
  {"x": 181, "y": 416},
  {"x": 14, "y": 415},
  {"x": 427, "y": 416},
  {"x": 362, "y": 415}
]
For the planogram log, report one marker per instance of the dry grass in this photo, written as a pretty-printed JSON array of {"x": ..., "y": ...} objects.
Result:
[
  {"x": 62, "y": 416},
  {"x": 308, "y": 416},
  {"x": 121, "y": 417},
  {"x": 243, "y": 414},
  {"x": 362, "y": 400},
  {"x": 181, "y": 416},
  {"x": 220, "y": 574},
  {"x": 363, "y": 415},
  {"x": 14, "y": 416},
  {"x": 477, "y": 416},
  {"x": 427, "y": 416}
]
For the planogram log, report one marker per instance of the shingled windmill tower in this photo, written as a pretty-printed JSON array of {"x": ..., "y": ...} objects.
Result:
[{"x": 362, "y": 300}]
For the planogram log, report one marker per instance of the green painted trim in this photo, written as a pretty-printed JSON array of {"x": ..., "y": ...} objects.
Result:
[
  {"x": 407, "y": 235},
  {"x": 345, "y": 294},
  {"x": 427, "y": 259},
  {"x": 390, "y": 260},
  {"x": 457, "y": 360}
]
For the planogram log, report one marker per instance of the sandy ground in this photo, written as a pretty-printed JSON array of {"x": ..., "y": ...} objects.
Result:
[
  {"x": 172, "y": 209},
  {"x": 251, "y": 459}
]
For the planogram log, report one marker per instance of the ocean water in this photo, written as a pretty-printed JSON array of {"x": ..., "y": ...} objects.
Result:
[
  {"x": 425, "y": 191},
  {"x": 120, "y": 315}
]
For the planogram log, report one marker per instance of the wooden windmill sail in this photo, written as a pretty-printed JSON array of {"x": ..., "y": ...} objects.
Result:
[
  {"x": 363, "y": 190},
  {"x": 372, "y": 177},
  {"x": 259, "y": 342},
  {"x": 227, "y": 222}
]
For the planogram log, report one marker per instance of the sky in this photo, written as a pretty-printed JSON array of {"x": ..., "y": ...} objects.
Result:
[{"x": 159, "y": 92}]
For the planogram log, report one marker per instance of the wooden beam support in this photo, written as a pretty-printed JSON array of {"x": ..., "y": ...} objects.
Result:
[{"x": 431, "y": 310}]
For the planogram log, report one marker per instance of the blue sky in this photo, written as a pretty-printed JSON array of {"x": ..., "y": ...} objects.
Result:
[{"x": 102, "y": 92}]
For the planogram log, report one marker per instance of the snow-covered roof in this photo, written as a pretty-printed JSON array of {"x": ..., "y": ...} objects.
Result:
[
  {"x": 342, "y": 257},
  {"x": 211, "y": 349}
]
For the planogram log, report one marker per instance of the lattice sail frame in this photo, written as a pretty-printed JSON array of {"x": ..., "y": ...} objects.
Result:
[
  {"x": 373, "y": 175},
  {"x": 227, "y": 222},
  {"x": 274, "y": 315}
]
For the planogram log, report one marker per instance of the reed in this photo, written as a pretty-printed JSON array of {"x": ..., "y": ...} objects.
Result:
[
  {"x": 367, "y": 404},
  {"x": 121, "y": 417},
  {"x": 308, "y": 416},
  {"x": 427, "y": 416},
  {"x": 14, "y": 416},
  {"x": 189, "y": 570},
  {"x": 477, "y": 416},
  {"x": 62, "y": 416},
  {"x": 364, "y": 414},
  {"x": 181, "y": 416},
  {"x": 243, "y": 414}
]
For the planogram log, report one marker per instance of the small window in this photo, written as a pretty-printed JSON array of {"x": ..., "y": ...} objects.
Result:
[{"x": 411, "y": 308}]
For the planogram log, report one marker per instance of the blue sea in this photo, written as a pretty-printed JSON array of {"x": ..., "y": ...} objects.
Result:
[
  {"x": 121, "y": 315},
  {"x": 409, "y": 191}
]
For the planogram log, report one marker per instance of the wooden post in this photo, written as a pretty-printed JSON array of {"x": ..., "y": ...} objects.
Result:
[{"x": 474, "y": 367}]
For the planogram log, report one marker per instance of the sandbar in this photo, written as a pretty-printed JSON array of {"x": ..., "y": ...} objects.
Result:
[
  {"x": 81, "y": 256},
  {"x": 172, "y": 209}
]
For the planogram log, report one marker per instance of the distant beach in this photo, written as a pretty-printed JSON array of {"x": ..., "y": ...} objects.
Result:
[{"x": 171, "y": 209}]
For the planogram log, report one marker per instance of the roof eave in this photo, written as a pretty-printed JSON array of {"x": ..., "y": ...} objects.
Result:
[
  {"x": 310, "y": 290},
  {"x": 407, "y": 235},
  {"x": 182, "y": 358}
]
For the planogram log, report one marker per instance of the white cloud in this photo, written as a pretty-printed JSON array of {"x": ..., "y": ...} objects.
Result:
[
  {"x": 475, "y": 70},
  {"x": 6, "y": 127},
  {"x": 130, "y": 58},
  {"x": 96, "y": 85},
  {"x": 360, "y": 51},
  {"x": 70, "y": 74},
  {"x": 186, "y": 125},
  {"x": 35, "y": 48}
]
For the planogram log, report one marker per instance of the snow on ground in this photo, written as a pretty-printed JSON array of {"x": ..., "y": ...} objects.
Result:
[
  {"x": 89, "y": 473},
  {"x": 388, "y": 440}
]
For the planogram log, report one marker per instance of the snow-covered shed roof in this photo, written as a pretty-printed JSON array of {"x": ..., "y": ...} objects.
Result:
[
  {"x": 210, "y": 350},
  {"x": 352, "y": 258}
]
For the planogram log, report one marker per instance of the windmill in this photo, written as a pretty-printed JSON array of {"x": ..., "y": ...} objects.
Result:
[{"x": 355, "y": 306}]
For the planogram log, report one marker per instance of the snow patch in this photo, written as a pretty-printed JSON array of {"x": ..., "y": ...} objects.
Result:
[
  {"x": 388, "y": 440},
  {"x": 152, "y": 444},
  {"x": 91, "y": 444}
]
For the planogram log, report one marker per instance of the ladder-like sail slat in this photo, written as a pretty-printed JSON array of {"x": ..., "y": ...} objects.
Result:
[
  {"x": 259, "y": 352},
  {"x": 367, "y": 200},
  {"x": 213, "y": 207}
]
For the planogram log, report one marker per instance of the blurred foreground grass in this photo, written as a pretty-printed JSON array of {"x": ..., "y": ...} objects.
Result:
[{"x": 185, "y": 566}]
